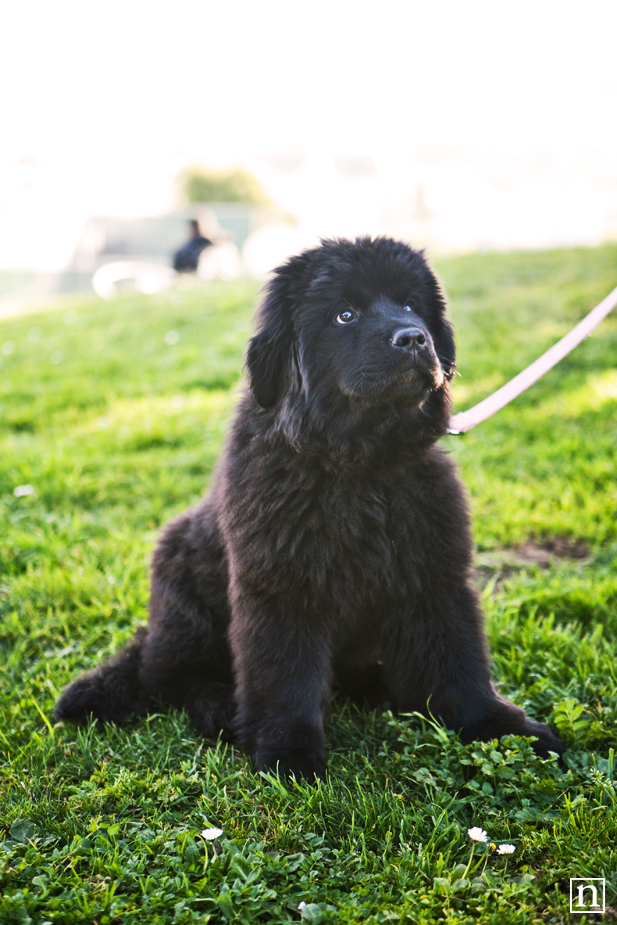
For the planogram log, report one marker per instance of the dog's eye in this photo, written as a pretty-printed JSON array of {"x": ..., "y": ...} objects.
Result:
[{"x": 346, "y": 316}]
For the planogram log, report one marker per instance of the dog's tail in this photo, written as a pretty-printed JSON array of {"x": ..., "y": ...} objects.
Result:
[{"x": 112, "y": 692}]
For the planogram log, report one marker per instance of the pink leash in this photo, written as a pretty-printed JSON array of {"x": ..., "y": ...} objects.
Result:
[{"x": 465, "y": 420}]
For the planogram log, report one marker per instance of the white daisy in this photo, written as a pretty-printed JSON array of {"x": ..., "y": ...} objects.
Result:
[
  {"x": 211, "y": 834},
  {"x": 477, "y": 834},
  {"x": 505, "y": 849},
  {"x": 22, "y": 490}
]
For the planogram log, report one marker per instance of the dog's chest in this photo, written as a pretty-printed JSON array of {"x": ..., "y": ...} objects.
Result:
[{"x": 315, "y": 537}]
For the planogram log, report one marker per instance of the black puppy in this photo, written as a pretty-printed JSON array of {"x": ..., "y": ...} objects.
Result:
[{"x": 335, "y": 543}]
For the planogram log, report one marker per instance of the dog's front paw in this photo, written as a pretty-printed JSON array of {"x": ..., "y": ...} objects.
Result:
[
  {"x": 292, "y": 748},
  {"x": 292, "y": 762},
  {"x": 547, "y": 741}
]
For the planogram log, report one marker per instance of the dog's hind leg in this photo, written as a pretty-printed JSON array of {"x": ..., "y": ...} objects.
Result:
[
  {"x": 146, "y": 676},
  {"x": 130, "y": 685},
  {"x": 112, "y": 692},
  {"x": 186, "y": 663},
  {"x": 182, "y": 659}
]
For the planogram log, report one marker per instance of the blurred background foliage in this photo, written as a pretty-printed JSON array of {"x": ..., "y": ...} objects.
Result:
[{"x": 236, "y": 185}]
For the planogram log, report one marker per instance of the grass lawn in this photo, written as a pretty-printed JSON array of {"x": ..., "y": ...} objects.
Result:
[{"x": 114, "y": 414}]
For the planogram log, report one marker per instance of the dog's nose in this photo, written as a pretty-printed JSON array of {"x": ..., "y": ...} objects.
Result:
[{"x": 408, "y": 338}]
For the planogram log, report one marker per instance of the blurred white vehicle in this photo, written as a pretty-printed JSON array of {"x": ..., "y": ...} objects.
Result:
[{"x": 136, "y": 275}]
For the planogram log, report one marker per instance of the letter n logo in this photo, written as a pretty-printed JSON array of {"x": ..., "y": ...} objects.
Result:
[{"x": 587, "y": 894}]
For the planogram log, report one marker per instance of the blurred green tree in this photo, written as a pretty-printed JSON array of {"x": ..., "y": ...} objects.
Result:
[{"x": 236, "y": 185}]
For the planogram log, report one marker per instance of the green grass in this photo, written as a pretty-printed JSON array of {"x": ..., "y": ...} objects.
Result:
[{"x": 116, "y": 430}]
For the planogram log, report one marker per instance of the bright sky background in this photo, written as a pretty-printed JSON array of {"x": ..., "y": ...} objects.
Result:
[{"x": 110, "y": 99}]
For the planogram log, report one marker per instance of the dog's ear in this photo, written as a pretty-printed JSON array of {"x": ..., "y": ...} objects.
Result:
[
  {"x": 271, "y": 351},
  {"x": 266, "y": 362}
]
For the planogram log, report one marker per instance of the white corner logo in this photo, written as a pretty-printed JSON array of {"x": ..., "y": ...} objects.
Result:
[{"x": 587, "y": 894}]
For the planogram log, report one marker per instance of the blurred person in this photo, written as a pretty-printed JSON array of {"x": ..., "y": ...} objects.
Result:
[{"x": 186, "y": 259}]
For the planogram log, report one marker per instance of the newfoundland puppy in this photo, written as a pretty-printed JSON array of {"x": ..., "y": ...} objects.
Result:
[{"x": 334, "y": 548}]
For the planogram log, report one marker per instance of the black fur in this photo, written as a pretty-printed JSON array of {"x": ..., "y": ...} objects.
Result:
[{"x": 335, "y": 545}]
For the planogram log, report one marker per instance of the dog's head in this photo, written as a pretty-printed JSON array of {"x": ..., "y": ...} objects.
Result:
[{"x": 362, "y": 321}]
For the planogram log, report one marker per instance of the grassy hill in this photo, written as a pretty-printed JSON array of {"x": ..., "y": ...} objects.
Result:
[{"x": 112, "y": 416}]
